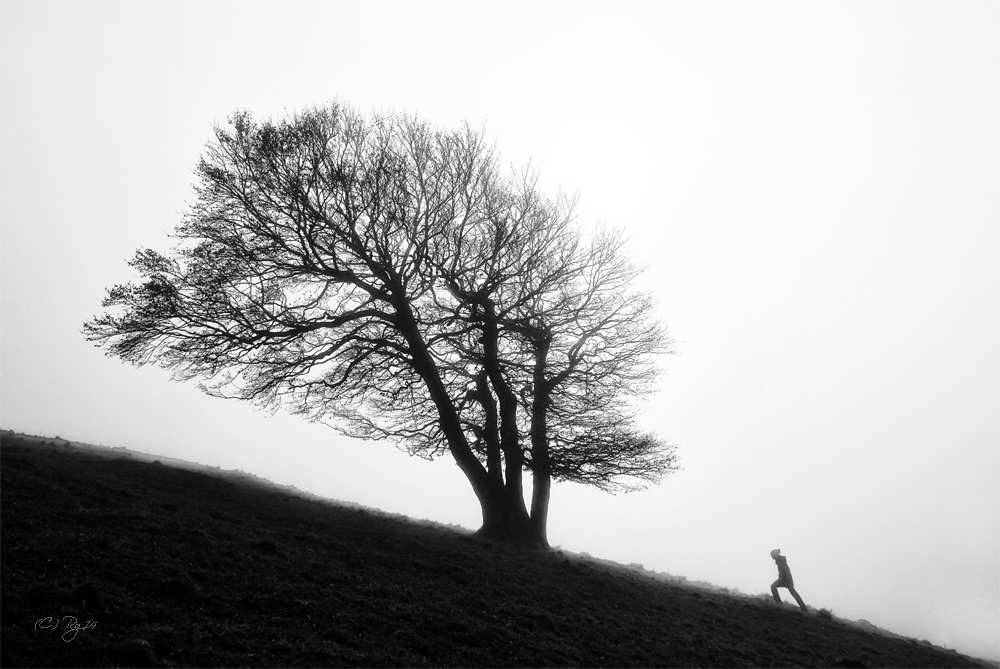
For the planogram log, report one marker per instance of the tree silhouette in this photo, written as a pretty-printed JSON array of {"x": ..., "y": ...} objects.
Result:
[{"x": 390, "y": 280}]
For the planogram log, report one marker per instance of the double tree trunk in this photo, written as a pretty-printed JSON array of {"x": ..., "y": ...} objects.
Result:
[
  {"x": 501, "y": 496},
  {"x": 506, "y": 517},
  {"x": 511, "y": 512}
]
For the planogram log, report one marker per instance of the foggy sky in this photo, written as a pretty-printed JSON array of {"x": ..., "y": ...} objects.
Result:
[{"x": 814, "y": 187}]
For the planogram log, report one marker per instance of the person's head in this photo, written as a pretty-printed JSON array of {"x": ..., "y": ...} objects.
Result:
[{"x": 775, "y": 553}]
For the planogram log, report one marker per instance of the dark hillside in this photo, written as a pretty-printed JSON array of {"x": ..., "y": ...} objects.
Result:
[{"x": 186, "y": 568}]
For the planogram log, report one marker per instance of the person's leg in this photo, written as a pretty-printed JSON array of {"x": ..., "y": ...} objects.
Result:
[
  {"x": 798, "y": 599},
  {"x": 774, "y": 591}
]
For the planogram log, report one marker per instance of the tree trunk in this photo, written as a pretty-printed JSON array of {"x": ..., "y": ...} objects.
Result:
[
  {"x": 541, "y": 470},
  {"x": 510, "y": 441},
  {"x": 541, "y": 488},
  {"x": 490, "y": 429},
  {"x": 503, "y": 523},
  {"x": 504, "y": 514}
]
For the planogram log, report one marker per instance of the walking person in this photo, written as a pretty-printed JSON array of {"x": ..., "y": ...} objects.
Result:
[{"x": 784, "y": 579}]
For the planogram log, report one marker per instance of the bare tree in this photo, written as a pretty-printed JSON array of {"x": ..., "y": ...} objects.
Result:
[{"x": 390, "y": 280}]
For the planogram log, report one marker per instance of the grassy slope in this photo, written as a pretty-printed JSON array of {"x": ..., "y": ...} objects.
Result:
[{"x": 187, "y": 568}]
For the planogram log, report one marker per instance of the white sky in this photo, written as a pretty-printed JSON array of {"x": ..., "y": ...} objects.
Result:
[{"x": 815, "y": 186}]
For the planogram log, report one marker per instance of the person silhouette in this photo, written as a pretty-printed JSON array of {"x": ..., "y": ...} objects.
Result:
[{"x": 784, "y": 579}]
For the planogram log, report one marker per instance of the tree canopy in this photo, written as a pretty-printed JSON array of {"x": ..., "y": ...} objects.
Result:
[{"x": 392, "y": 280}]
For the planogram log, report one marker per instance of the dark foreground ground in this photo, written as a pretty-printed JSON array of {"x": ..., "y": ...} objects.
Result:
[{"x": 162, "y": 566}]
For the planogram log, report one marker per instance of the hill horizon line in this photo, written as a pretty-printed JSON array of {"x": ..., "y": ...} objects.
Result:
[{"x": 583, "y": 560}]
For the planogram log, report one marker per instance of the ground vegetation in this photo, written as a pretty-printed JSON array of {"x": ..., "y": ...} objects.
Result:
[{"x": 210, "y": 569}]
